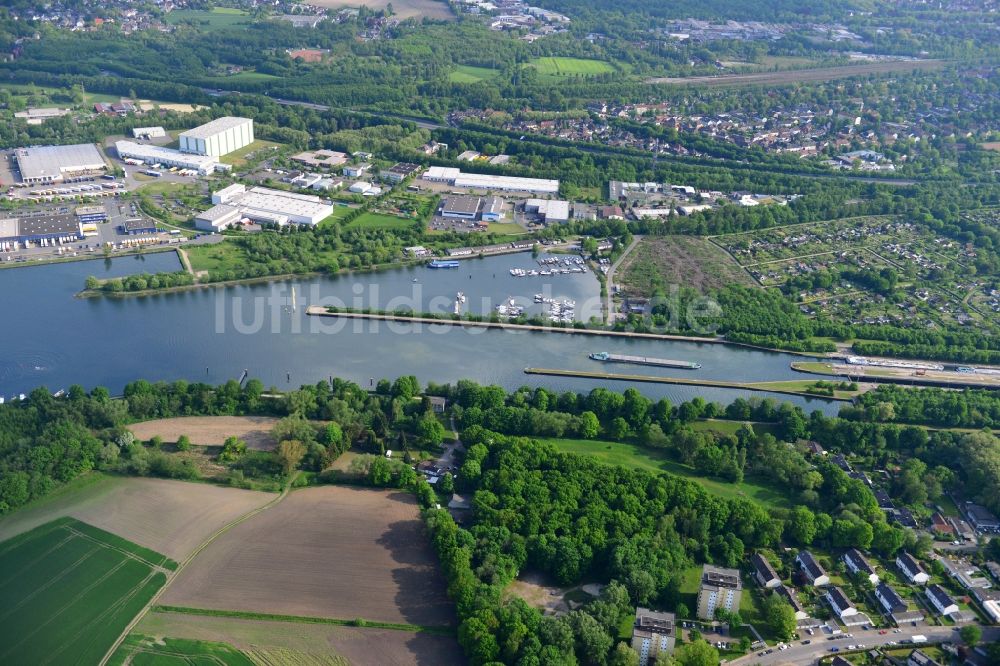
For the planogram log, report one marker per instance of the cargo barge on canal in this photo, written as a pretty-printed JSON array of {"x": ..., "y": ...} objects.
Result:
[{"x": 644, "y": 360}]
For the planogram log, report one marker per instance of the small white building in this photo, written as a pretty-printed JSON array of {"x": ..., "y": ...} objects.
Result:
[{"x": 148, "y": 132}]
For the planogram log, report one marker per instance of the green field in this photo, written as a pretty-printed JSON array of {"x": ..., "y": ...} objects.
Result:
[
  {"x": 224, "y": 256},
  {"x": 378, "y": 221},
  {"x": 217, "y": 18},
  {"x": 58, "y": 96},
  {"x": 238, "y": 157},
  {"x": 556, "y": 66},
  {"x": 69, "y": 590},
  {"x": 470, "y": 74},
  {"x": 139, "y": 650},
  {"x": 636, "y": 457}
]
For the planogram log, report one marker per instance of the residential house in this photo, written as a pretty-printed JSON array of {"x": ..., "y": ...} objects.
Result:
[
  {"x": 720, "y": 589},
  {"x": 763, "y": 571},
  {"x": 812, "y": 571},
  {"x": 858, "y": 565},
  {"x": 793, "y": 601},
  {"x": 941, "y": 600},
  {"x": 981, "y": 518},
  {"x": 911, "y": 568},
  {"x": 891, "y": 602},
  {"x": 840, "y": 604},
  {"x": 652, "y": 633}
]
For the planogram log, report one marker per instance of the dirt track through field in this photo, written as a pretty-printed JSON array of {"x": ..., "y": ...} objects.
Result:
[
  {"x": 211, "y": 430},
  {"x": 170, "y": 517},
  {"x": 800, "y": 75},
  {"x": 336, "y": 552}
]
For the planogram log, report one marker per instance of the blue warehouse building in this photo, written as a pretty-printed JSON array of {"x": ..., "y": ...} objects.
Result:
[{"x": 33, "y": 229}]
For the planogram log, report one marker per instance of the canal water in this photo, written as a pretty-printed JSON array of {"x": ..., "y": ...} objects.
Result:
[{"x": 50, "y": 338}]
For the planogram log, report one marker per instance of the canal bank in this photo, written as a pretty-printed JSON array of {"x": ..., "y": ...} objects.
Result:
[{"x": 763, "y": 387}]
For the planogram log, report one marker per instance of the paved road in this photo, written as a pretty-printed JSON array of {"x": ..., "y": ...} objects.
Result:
[
  {"x": 610, "y": 280},
  {"x": 820, "y": 646}
]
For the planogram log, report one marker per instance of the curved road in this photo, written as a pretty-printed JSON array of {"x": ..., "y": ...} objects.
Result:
[{"x": 609, "y": 280}]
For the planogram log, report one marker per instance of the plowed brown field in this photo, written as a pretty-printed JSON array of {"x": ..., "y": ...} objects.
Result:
[
  {"x": 334, "y": 552},
  {"x": 210, "y": 430}
]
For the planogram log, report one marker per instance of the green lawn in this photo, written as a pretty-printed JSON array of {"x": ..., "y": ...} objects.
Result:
[
  {"x": 724, "y": 427},
  {"x": 339, "y": 213},
  {"x": 139, "y": 650},
  {"x": 558, "y": 66},
  {"x": 506, "y": 228},
  {"x": 224, "y": 256},
  {"x": 69, "y": 590},
  {"x": 215, "y": 19},
  {"x": 238, "y": 157},
  {"x": 470, "y": 74},
  {"x": 378, "y": 221},
  {"x": 636, "y": 457},
  {"x": 57, "y": 95}
]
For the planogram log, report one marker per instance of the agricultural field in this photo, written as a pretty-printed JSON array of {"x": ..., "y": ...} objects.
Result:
[
  {"x": 139, "y": 650},
  {"x": 470, "y": 74},
  {"x": 801, "y": 75},
  {"x": 637, "y": 457},
  {"x": 210, "y": 430},
  {"x": 658, "y": 262},
  {"x": 69, "y": 590},
  {"x": 401, "y": 9},
  {"x": 310, "y": 644},
  {"x": 327, "y": 552},
  {"x": 217, "y": 18},
  {"x": 170, "y": 517},
  {"x": 554, "y": 66},
  {"x": 837, "y": 268}
]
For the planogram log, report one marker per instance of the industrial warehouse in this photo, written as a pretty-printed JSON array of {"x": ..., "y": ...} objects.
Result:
[
  {"x": 235, "y": 203},
  {"x": 147, "y": 154},
  {"x": 200, "y": 148},
  {"x": 480, "y": 181},
  {"x": 218, "y": 137},
  {"x": 39, "y": 229},
  {"x": 56, "y": 164}
]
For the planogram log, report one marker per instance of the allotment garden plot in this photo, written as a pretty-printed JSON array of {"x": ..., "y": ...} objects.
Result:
[
  {"x": 68, "y": 590},
  {"x": 868, "y": 270}
]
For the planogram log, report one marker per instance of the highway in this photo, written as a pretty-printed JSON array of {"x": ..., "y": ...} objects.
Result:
[{"x": 819, "y": 646}]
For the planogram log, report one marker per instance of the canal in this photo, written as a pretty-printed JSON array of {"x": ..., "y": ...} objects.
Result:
[{"x": 51, "y": 338}]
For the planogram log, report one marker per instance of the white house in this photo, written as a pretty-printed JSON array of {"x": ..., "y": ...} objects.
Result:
[
  {"x": 840, "y": 604},
  {"x": 940, "y": 599},
  {"x": 859, "y": 565},
  {"x": 911, "y": 568}
]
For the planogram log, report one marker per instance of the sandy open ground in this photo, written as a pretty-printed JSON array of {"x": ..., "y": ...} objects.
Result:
[
  {"x": 336, "y": 552},
  {"x": 170, "y": 517},
  {"x": 802, "y": 75},
  {"x": 309, "y": 643},
  {"x": 402, "y": 9},
  {"x": 211, "y": 430}
]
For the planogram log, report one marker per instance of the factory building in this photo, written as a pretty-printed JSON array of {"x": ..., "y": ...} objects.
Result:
[
  {"x": 148, "y": 132},
  {"x": 218, "y": 137},
  {"x": 135, "y": 226},
  {"x": 61, "y": 228},
  {"x": 56, "y": 164},
  {"x": 91, "y": 214},
  {"x": 548, "y": 210},
  {"x": 481, "y": 181},
  {"x": 492, "y": 209},
  {"x": 261, "y": 204},
  {"x": 203, "y": 164},
  {"x": 460, "y": 208}
]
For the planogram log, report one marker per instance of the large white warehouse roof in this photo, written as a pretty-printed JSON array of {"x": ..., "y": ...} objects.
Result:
[{"x": 213, "y": 127}]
